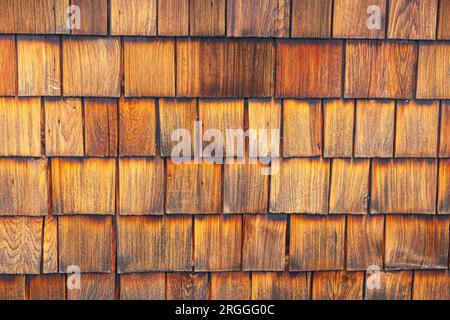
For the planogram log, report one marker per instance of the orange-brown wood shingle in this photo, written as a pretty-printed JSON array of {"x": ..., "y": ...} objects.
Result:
[
  {"x": 444, "y": 149},
  {"x": 136, "y": 17},
  {"x": 338, "y": 128},
  {"x": 443, "y": 205},
  {"x": 432, "y": 73},
  {"x": 431, "y": 285},
  {"x": 12, "y": 287},
  {"x": 444, "y": 22},
  {"x": 311, "y": 18},
  {"x": 93, "y": 17},
  {"x": 142, "y": 286},
  {"x": 281, "y": 286},
  {"x": 8, "y": 62},
  {"x": 395, "y": 285},
  {"x": 230, "y": 286},
  {"x": 207, "y": 17},
  {"x": 173, "y": 17},
  {"x": 339, "y": 285},
  {"x": 47, "y": 287},
  {"x": 187, "y": 286}
]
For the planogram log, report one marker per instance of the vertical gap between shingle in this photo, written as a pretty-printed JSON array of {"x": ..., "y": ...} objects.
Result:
[
  {"x": 322, "y": 119},
  {"x": 330, "y": 161},
  {"x": 345, "y": 242},
  {"x": 176, "y": 65},
  {"x": 354, "y": 127},
  {"x": 344, "y": 57},
  {"x": 83, "y": 124},
  {"x": 416, "y": 69},
  {"x": 16, "y": 40},
  {"x": 413, "y": 278},
  {"x": 61, "y": 64},
  {"x": 108, "y": 18},
  {"x": 311, "y": 280},
  {"x": 226, "y": 18},
  {"x": 332, "y": 19},
  {"x": 364, "y": 285},
  {"x": 287, "y": 243},
  {"x": 394, "y": 151},
  {"x": 386, "y": 22},
  {"x": 383, "y": 251},
  {"x": 438, "y": 20},
  {"x": 438, "y": 160},
  {"x": 369, "y": 187},
  {"x": 290, "y": 18},
  {"x": 27, "y": 287}
]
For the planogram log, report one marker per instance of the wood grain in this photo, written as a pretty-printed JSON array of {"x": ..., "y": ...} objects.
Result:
[
  {"x": 91, "y": 66},
  {"x": 50, "y": 245},
  {"x": 444, "y": 142},
  {"x": 339, "y": 285},
  {"x": 217, "y": 243},
  {"x": 64, "y": 127},
  {"x": 207, "y": 17},
  {"x": 47, "y": 287},
  {"x": 173, "y": 18},
  {"x": 264, "y": 242},
  {"x": 8, "y": 62},
  {"x": 85, "y": 242},
  {"x": 230, "y": 286},
  {"x": 349, "y": 191},
  {"x": 137, "y": 123},
  {"x": 338, "y": 128},
  {"x": 432, "y": 74},
  {"x": 23, "y": 187},
  {"x": 302, "y": 128},
  {"x": 403, "y": 186},
  {"x": 365, "y": 236},
  {"x": 444, "y": 23},
  {"x": 281, "y": 285},
  {"x": 309, "y": 69},
  {"x": 431, "y": 285},
  {"x": 417, "y": 242},
  {"x": 443, "y": 205},
  {"x": 316, "y": 243},
  {"x": 393, "y": 286},
  {"x": 20, "y": 243},
  {"x": 225, "y": 68},
  {"x": 83, "y": 186},
  {"x": 142, "y": 286},
  {"x": 193, "y": 188},
  {"x": 141, "y": 186},
  {"x": 351, "y": 18},
  {"x": 149, "y": 67},
  {"x": 414, "y": 19},
  {"x": 137, "y": 18},
  {"x": 311, "y": 18},
  {"x": 94, "y": 287},
  {"x": 168, "y": 244},
  {"x": 21, "y": 127},
  {"x": 374, "y": 128},
  {"x": 258, "y": 18},
  {"x": 100, "y": 127},
  {"x": 187, "y": 286},
  {"x": 417, "y": 126},
  {"x": 12, "y": 287},
  {"x": 301, "y": 186},
  {"x": 388, "y": 69},
  {"x": 39, "y": 62},
  {"x": 93, "y": 17}
]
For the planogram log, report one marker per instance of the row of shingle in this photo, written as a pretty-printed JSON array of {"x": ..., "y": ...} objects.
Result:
[
  {"x": 427, "y": 285},
  {"x": 395, "y": 19},
  {"x": 91, "y": 66},
  {"x": 75, "y": 127},
  {"x": 223, "y": 243}
]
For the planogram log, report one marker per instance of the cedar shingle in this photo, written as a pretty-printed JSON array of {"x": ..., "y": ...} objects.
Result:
[
  {"x": 149, "y": 67},
  {"x": 50, "y": 245},
  {"x": 91, "y": 66},
  {"x": 444, "y": 187},
  {"x": 403, "y": 186},
  {"x": 39, "y": 62},
  {"x": 395, "y": 285},
  {"x": 302, "y": 128},
  {"x": 339, "y": 285},
  {"x": 417, "y": 242},
  {"x": 311, "y": 18},
  {"x": 225, "y": 68},
  {"x": 12, "y": 287},
  {"x": 338, "y": 128},
  {"x": 136, "y": 17},
  {"x": 21, "y": 127},
  {"x": 47, "y": 287},
  {"x": 431, "y": 285},
  {"x": 432, "y": 74},
  {"x": 264, "y": 242},
  {"x": 352, "y": 18},
  {"x": 218, "y": 243},
  {"x": 85, "y": 242},
  {"x": 83, "y": 186},
  {"x": 445, "y": 130},
  {"x": 94, "y": 287},
  {"x": 173, "y": 18},
  {"x": 417, "y": 127},
  {"x": 230, "y": 286},
  {"x": 444, "y": 22},
  {"x": 187, "y": 286},
  {"x": 207, "y": 17},
  {"x": 93, "y": 17},
  {"x": 258, "y": 18},
  {"x": 374, "y": 128},
  {"x": 412, "y": 19},
  {"x": 316, "y": 243},
  {"x": 280, "y": 286},
  {"x": 64, "y": 127},
  {"x": 168, "y": 244},
  {"x": 389, "y": 69},
  {"x": 8, "y": 62},
  {"x": 142, "y": 286}
]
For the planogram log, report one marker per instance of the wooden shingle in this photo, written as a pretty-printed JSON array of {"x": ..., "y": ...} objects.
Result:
[
  {"x": 444, "y": 22},
  {"x": 258, "y": 18},
  {"x": 281, "y": 286},
  {"x": 50, "y": 245},
  {"x": 311, "y": 69},
  {"x": 225, "y": 68},
  {"x": 85, "y": 242},
  {"x": 444, "y": 149},
  {"x": 403, "y": 186},
  {"x": 21, "y": 127},
  {"x": 141, "y": 182},
  {"x": 359, "y": 19},
  {"x": 8, "y": 62},
  {"x": 316, "y": 243},
  {"x": 395, "y": 285},
  {"x": 173, "y": 18},
  {"x": 389, "y": 69},
  {"x": 412, "y": 19},
  {"x": 302, "y": 128},
  {"x": 338, "y": 128},
  {"x": 168, "y": 244},
  {"x": 137, "y": 123},
  {"x": 444, "y": 187},
  {"x": 91, "y": 66},
  {"x": 301, "y": 186},
  {"x": 264, "y": 242},
  {"x": 142, "y": 286},
  {"x": 230, "y": 286},
  {"x": 93, "y": 17},
  {"x": 39, "y": 64},
  {"x": 20, "y": 240},
  {"x": 83, "y": 186},
  {"x": 416, "y": 129},
  {"x": 136, "y": 17},
  {"x": 207, "y": 17},
  {"x": 374, "y": 128},
  {"x": 47, "y": 287},
  {"x": 311, "y": 18},
  {"x": 149, "y": 67},
  {"x": 187, "y": 286},
  {"x": 94, "y": 286},
  {"x": 218, "y": 243},
  {"x": 431, "y": 285},
  {"x": 339, "y": 285},
  {"x": 100, "y": 127},
  {"x": 432, "y": 74},
  {"x": 417, "y": 242},
  {"x": 12, "y": 287},
  {"x": 23, "y": 187},
  {"x": 63, "y": 127}
]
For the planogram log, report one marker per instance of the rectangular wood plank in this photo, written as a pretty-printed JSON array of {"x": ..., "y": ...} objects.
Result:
[
  {"x": 8, "y": 62},
  {"x": 137, "y": 18},
  {"x": 207, "y": 17},
  {"x": 311, "y": 18}
]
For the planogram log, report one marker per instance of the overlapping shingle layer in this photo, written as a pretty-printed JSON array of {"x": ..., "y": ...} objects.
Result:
[{"x": 358, "y": 208}]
